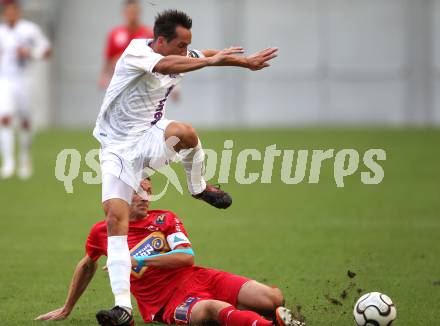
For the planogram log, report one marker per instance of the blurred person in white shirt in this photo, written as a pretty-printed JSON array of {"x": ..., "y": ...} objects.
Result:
[{"x": 21, "y": 42}]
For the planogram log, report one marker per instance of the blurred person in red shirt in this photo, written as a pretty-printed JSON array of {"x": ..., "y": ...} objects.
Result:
[{"x": 120, "y": 37}]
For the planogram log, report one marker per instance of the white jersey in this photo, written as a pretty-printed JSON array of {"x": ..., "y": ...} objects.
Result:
[
  {"x": 136, "y": 97},
  {"x": 24, "y": 34}
]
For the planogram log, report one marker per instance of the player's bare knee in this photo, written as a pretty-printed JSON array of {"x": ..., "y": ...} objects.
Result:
[
  {"x": 5, "y": 121},
  {"x": 191, "y": 138},
  {"x": 26, "y": 125},
  {"x": 204, "y": 312},
  {"x": 186, "y": 134},
  {"x": 271, "y": 299},
  {"x": 277, "y": 297},
  {"x": 214, "y": 308}
]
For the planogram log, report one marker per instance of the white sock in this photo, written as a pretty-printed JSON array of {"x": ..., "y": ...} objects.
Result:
[
  {"x": 25, "y": 146},
  {"x": 119, "y": 269},
  {"x": 193, "y": 163},
  {"x": 7, "y": 145}
]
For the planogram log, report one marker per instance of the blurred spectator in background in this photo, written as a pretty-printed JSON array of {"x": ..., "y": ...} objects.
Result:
[
  {"x": 120, "y": 37},
  {"x": 21, "y": 41}
]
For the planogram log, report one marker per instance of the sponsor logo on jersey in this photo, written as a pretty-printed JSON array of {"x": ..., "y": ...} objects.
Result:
[
  {"x": 159, "y": 109},
  {"x": 178, "y": 223},
  {"x": 152, "y": 245},
  {"x": 152, "y": 228},
  {"x": 161, "y": 219}
]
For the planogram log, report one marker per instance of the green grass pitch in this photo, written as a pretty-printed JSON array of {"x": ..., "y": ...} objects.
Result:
[{"x": 302, "y": 238}]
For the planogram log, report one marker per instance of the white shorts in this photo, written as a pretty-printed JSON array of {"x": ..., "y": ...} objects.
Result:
[
  {"x": 14, "y": 97},
  {"x": 151, "y": 151}
]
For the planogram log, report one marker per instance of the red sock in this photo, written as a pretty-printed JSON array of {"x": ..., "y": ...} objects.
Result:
[{"x": 232, "y": 317}]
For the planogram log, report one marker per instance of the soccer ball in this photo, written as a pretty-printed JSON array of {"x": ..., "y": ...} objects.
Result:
[{"x": 374, "y": 309}]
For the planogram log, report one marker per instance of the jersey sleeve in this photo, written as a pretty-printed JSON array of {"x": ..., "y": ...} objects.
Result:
[
  {"x": 195, "y": 54},
  {"x": 40, "y": 42},
  {"x": 110, "y": 47},
  {"x": 139, "y": 57},
  {"x": 176, "y": 233},
  {"x": 94, "y": 247}
]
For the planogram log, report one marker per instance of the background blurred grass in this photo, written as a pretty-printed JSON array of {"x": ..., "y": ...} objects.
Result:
[{"x": 303, "y": 238}]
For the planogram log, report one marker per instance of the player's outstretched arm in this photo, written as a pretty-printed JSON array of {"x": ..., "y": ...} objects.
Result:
[
  {"x": 209, "y": 52},
  {"x": 176, "y": 64},
  {"x": 84, "y": 272},
  {"x": 256, "y": 61},
  {"x": 179, "y": 257}
]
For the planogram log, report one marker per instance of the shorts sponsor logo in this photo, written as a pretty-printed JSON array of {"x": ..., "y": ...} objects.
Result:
[{"x": 181, "y": 314}]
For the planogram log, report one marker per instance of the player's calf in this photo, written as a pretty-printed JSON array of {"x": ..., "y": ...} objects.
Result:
[{"x": 208, "y": 311}]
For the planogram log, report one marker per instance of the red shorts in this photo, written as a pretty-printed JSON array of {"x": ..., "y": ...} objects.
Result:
[{"x": 204, "y": 284}]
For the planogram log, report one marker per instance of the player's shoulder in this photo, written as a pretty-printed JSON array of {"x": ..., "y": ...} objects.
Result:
[
  {"x": 27, "y": 25},
  {"x": 195, "y": 54},
  {"x": 118, "y": 29},
  {"x": 139, "y": 47},
  {"x": 99, "y": 227}
]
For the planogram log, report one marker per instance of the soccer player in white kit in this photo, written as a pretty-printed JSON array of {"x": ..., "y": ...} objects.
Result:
[
  {"x": 134, "y": 134},
  {"x": 20, "y": 42}
]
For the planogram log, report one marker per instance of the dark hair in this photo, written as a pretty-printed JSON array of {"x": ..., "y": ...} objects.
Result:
[
  {"x": 167, "y": 21},
  {"x": 5, "y": 3},
  {"x": 130, "y": 2}
]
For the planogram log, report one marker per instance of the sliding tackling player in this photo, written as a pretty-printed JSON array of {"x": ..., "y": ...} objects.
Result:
[{"x": 168, "y": 287}]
